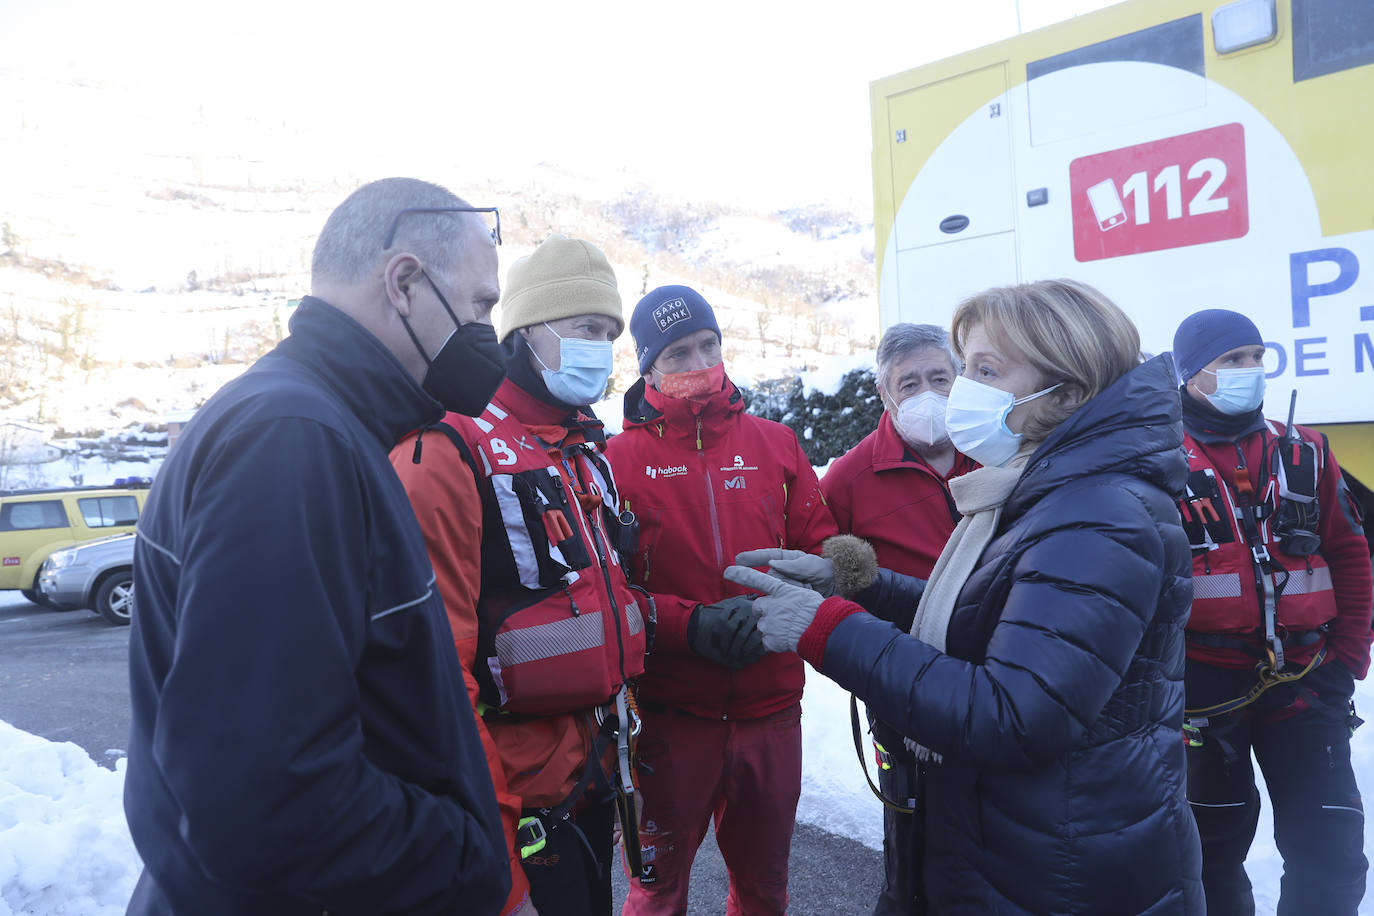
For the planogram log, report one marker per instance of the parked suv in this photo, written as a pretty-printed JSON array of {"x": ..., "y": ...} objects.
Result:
[
  {"x": 95, "y": 574},
  {"x": 34, "y": 523}
]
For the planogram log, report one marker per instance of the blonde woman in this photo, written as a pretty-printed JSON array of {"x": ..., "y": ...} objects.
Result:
[{"x": 1042, "y": 679}]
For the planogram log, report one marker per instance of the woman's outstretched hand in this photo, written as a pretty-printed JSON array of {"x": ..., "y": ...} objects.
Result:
[
  {"x": 798, "y": 566},
  {"x": 784, "y": 610}
]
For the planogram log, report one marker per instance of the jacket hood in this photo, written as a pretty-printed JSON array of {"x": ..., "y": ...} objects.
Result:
[
  {"x": 1134, "y": 427},
  {"x": 359, "y": 370},
  {"x": 647, "y": 407}
]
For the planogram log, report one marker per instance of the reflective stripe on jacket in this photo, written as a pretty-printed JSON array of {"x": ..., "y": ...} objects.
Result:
[
  {"x": 561, "y": 628},
  {"x": 535, "y": 760},
  {"x": 1331, "y": 586}
]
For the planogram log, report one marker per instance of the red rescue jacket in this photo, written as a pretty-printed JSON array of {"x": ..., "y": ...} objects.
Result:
[
  {"x": 1330, "y": 587},
  {"x": 543, "y": 617},
  {"x": 706, "y": 481},
  {"x": 883, "y": 492}
]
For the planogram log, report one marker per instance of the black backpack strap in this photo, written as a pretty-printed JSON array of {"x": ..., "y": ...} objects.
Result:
[{"x": 453, "y": 436}]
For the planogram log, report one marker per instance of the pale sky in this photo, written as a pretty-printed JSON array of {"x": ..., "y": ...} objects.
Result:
[{"x": 762, "y": 101}]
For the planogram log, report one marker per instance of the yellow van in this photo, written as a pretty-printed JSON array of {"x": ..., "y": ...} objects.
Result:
[{"x": 34, "y": 523}]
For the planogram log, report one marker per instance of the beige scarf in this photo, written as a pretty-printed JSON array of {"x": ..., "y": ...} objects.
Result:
[{"x": 979, "y": 496}]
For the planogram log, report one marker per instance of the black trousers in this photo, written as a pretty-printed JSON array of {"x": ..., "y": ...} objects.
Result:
[
  {"x": 901, "y": 832},
  {"x": 571, "y": 875},
  {"x": 1300, "y": 734}
]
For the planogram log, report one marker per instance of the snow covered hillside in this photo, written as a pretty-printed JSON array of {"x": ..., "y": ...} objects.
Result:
[{"x": 136, "y": 278}]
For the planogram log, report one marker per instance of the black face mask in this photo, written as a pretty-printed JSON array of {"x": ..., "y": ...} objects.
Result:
[{"x": 465, "y": 373}]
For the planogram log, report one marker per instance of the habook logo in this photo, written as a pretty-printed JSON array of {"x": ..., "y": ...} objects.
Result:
[
  {"x": 654, "y": 473},
  {"x": 1170, "y": 193}
]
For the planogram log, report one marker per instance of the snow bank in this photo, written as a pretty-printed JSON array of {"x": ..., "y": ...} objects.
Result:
[
  {"x": 64, "y": 844},
  {"x": 834, "y": 795}
]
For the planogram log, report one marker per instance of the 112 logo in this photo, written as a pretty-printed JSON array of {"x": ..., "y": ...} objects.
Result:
[{"x": 1170, "y": 193}]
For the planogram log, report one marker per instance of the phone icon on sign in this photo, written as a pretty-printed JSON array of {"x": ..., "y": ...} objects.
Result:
[{"x": 1106, "y": 204}]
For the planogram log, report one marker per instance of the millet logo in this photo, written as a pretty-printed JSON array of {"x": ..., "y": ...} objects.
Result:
[
  {"x": 671, "y": 312},
  {"x": 654, "y": 473},
  {"x": 735, "y": 483}
]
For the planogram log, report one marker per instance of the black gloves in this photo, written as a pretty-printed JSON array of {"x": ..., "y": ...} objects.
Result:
[{"x": 726, "y": 632}]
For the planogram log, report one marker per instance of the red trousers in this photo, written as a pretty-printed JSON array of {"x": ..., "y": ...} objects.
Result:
[{"x": 745, "y": 775}]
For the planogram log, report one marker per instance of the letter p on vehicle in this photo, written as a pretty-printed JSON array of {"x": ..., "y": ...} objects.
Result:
[{"x": 1304, "y": 290}]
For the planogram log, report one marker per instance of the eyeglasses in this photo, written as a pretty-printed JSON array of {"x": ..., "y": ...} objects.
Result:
[{"x": 395, "y": 223}]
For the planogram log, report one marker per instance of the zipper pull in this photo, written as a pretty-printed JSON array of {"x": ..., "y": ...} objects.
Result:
[
  {"x": 698, "y": 433},
  {"x": 415, "y": 459}
]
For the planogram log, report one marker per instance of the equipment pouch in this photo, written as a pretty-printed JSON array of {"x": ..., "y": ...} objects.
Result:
[
  {"x": 1206, "y": 518},
  {"x": 624, "y": 531},
  {"x": 1294, "y": 466}
]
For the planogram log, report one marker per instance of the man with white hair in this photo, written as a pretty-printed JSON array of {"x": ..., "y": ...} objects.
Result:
[
  {"x": 301, "y": 739},
  {"x": 892, "y": 490}
]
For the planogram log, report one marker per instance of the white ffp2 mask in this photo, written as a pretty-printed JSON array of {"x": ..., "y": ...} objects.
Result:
[{"x": 920, "y": 419}]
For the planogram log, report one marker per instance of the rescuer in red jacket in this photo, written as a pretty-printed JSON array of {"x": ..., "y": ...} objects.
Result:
[
  {"x": 892, "y": 490},
  {"x": 521, "y": 516},
  {"x": 1279, "y": 630},
  {"x": 722, "y": 720}
]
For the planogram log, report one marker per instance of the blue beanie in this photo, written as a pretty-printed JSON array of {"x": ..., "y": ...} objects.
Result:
[
  {"x": 1205, "y": 335},
  {"x": 667, "y": 314}
]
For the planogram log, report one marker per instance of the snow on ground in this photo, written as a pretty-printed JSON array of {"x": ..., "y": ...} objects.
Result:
[{"x": 64, "y": 845}]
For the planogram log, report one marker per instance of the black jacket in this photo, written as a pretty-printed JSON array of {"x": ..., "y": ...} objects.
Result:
[
  {"x": 1059, "y": 703},
  {"x": 302, "y": 739}
]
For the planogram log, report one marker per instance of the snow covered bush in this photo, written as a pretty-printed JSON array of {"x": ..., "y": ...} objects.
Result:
[{"x": 828, "y": 423}]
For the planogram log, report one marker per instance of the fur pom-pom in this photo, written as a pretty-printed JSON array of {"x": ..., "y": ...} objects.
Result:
[{"x": 856, "y": 565}]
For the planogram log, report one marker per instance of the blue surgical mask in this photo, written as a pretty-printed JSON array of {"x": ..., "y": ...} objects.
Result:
[
  {"x": 976, "y": 418},
  {"x": 584, "y": 367},
  {"x": 1238, "y": 390}
]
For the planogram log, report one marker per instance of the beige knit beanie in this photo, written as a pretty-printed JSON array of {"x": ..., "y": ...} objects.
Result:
[{"x": 561, "y": 278}]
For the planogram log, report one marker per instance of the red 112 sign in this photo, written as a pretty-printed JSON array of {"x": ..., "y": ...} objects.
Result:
[{"x": 1184, "y": 190}]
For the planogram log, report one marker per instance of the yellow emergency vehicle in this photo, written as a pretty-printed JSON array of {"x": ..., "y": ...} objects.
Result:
[{"x": 1177, "y": 155}]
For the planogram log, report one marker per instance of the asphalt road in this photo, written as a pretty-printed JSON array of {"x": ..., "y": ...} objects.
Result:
[{"x": 64, "y": 676}]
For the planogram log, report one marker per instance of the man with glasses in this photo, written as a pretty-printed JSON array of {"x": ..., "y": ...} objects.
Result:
[{"x": 301, "y": 739}]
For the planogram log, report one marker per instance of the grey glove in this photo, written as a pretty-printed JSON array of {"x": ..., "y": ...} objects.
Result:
[
  {"x": 795, "y": 566},
  {"x": 726, "y": 632},
  {"x": 784, "y": 610}
]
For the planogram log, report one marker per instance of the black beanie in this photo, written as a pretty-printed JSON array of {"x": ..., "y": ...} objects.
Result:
[
  {"x": 1205, "y": 335},
  {"x": 667, "y": 314}
]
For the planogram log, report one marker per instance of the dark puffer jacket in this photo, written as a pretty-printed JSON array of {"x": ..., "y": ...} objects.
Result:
[{"x": 1058, "y": 705}]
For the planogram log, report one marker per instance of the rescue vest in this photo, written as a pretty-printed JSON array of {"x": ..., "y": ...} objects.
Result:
[
  {"x": 559, "y": 627},
  {"x": 1255, "y": 551}
]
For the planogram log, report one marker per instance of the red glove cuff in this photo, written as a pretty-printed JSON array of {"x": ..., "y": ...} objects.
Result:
[{"x": 829, "y": 615}]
